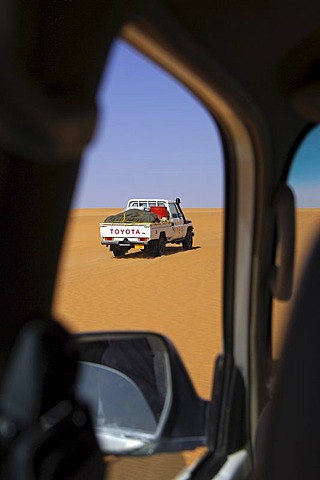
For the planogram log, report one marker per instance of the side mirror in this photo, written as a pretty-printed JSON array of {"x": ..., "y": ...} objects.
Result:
[{"x": 139, "y": 394}]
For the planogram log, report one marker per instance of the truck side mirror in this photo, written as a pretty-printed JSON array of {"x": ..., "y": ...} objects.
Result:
[{"x": 139, "y": 394}]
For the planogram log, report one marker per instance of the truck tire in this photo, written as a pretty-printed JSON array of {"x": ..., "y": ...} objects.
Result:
[
  {"x": 158, "y": 247},
  {"x": 119, "y": 252},
  {"x": 188, "y": 241},
  {"x": 161, "y": 245}
]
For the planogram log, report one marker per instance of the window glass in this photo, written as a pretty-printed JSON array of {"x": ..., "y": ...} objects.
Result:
[
  {"x": 173, "y": 210},
  {"x": 304, "y": 180},
  {"x": 153, "y": 141}
]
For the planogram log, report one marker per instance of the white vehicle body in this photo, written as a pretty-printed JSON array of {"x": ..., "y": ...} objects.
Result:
[{"x": 173, "y": 228}]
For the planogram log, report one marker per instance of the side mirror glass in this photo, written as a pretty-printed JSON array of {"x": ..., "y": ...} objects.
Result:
[{"x": 133, "y": 384}]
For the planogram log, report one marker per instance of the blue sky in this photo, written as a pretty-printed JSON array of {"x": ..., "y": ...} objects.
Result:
[
  {"x": 304, "y": 176},
  {"x": 154, "y": 139}
]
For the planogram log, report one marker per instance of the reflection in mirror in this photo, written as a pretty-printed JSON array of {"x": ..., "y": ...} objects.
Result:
[{"x": 125, "y": 380}]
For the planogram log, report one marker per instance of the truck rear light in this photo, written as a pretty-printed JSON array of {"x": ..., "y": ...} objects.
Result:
[
  {"x": 143, "y": 239},
  {"x": 108, "y": 238}
]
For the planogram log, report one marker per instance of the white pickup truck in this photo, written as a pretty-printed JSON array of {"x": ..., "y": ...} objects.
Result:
[{"x": 147, "y": 224}]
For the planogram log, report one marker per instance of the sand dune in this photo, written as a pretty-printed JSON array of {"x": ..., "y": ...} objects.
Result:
[{"x": 178, "y": 294}]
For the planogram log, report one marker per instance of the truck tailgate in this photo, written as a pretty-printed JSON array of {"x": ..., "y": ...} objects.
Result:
[{"x": 116, "y": 231}]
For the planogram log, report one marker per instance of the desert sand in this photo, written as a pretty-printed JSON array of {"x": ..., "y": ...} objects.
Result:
[{"x": 178, "y": 294}]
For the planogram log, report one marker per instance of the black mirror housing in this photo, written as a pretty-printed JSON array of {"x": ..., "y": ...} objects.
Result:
[{"x": 140, "y": 395}]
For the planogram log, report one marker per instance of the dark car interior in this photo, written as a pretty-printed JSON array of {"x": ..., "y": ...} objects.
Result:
[
  {"x": 290, "y": 424},
  {"x": 256, "y": 66}
]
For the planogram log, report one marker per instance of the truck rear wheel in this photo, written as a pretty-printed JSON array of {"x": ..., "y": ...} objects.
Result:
[
  {"x": 161, "y": 245},
  {"x": 157, "y": 247},
  {"x": 188, "y": 241},
  {"x": 119, "y": 252}
]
